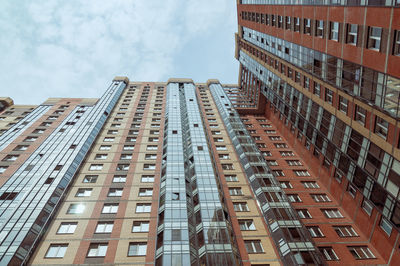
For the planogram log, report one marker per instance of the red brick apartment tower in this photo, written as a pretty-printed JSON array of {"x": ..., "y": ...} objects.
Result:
[{"x": 327, "y": 76}]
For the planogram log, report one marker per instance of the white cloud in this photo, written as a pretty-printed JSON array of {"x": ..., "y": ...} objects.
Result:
[{"x": 74, "y": 48}]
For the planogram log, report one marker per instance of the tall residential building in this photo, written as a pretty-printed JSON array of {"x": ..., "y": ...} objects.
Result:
[{"x": 325, "y": 76}]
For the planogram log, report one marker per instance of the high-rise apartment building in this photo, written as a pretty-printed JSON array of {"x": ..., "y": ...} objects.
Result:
[
  {"x": 327, "y": 76},
  {"x": 298, "y": 164}
]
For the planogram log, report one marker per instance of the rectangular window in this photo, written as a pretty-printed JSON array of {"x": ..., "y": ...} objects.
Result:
[
  {"x": 149, "y": 166},
  {"x": 143, "y": 207},
  {"x": 396, "y": 46},
  {"x": 90, "y": 179},
  {"x": 304, "y": 214},
  {"x": 293, "y": 162},
  {"x": 343, "y": 104},
  {"x": 294, "y": 198},
  {"x": 110, "y": 208},
  {"x": 386, "y": 226},
  {"x": 122, "y": 167},
  {"x": 247, "y": 225},
  {"x": 56, "y": 251},
  {"x": 231, "y": 178},
  {"x": 105, "y": 147},
  {"x": 310, "y": 184},
  {"x": 140, "y": 226},
  {"x": 360, "y": 115},
  {"x": 315, "y": 231},
  {"x": 253, "y": 246},
  {"x": 334, "y": 34},
  {"x": 67, "y": 228},
  {"x": 307, "y": 26},
  {"x": 240, "y": 207},
  {"x": 97, "y": 250},
  {"x": 147, "y": 179},
  {"x": 367, "y": 207},
  {"x": 129, "y": 147},
  {"x": 320, "y": 198},
  {"x": 137, "y": 249},
  {"x": 345, "y": 231},
  {"x": 286, "y": 184},
  {"x": 374, "y": 38},
  {"x": 83, "y": 192},
  {"x": 115, "y": 192},
  {"x": 319, "y": 29},
  {"x": 271, "y": 162},
  {"x": 104, "y": 227},
  {"x": 150, "y": 156},
  {"x": 329, "y": 253},
  {"x": 286, "y": 153},
  {"x": 126, "y": 156},
  {"x": 95, "y": 167},
  {"x": 235, "y": 191},
  {"x": 361, "y": 252},
  {"x": 145, "y": 192},
  {"x": 332, "y": 213},
  {"x": 328, "y": 95},
  {"x": 381, "y": 127},
  {"x": 352, "y": 31},
  {"x": 100, "y": 156},
  {"x": 109, "y": 139},
  {"x": 119, "y": 179},
  {"x": 301, "y": 173},
  {"x": 317, "y": 89},
  {"x": 297, "y": 24},
  {"x": 76, "y": 208},
  {"x": 152, "y": 147}
]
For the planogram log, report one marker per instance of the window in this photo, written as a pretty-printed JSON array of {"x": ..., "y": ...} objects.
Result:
[
  {"x": 381, "y": 127},
  {"x": 334, "y": 34},
  {"x": 220, "y": 147},
  {"x": 67, "y": 228},
  {"x": 147, "y": 166},
  {"x": 143, "y": 207},
  {"x": 105, "y": 147},
  {"x": 304, "y": 214},
  {"x": 315, "y": 231},
  {"x": 95, "y": 167},
  {"x": 137, "y": 249},
  {"x": 293, "y": 162},
  {"x": 343, "y": 104},
  {"x": 145, "y": 192},
  {"x": 235, "y": 191},
  {"x": 286, "y": 184},
  {"x": 396, "y": 46},
  {"x": 75, "y": 208},
  {"x": 100, "y": 156},
  {"x": 110, "y": 208},
  {"x": 345, "y": 231},
  {"x": 286, "y": 153},
  {"x": 317, "y": 89},
  {"x": 152, "y": 147},
  {"x": 271, "y": 162},
  {"x": 329, "y": 253},
  {"x": 319, "y": 29},
  {"x": 122, "y": 167},
  {"x": 56, "y": 251},
  {"x": 307, "y": 26},
  {"x": 104, "y": 227},
  {"x": 223, "y": 156},
  {"x": 278, "y": 172},
  {"x": 30, "y": 139},
  {"x": 129, "y": 147},
  {"x": 109, "y": 139},
  {"x": 83, "y": 192},
  {"x": 97, "y": 250},
  {"x": 253, "y": 246},
  {"x": 119, "y": 179},
  {"x": 352, "y": 30},
  {"x": 275, "y": 138},
  {"x": 150, "y": 156},
  {"x": 294, "y": 197},
  {"x": 247, "y": 225},
  {"x": 240, "y": 207},
  {"x": 297, "y": 24},
  {"x": 374, "y": 38},
  {"x": 227, "y": 166},
  {"x": 90, "y": 179},
  {"x": 386, "y": 226},
  {"x": 115, "y": 192},
  {"x": 361, "y": 252},
  {"x": 332, "y": 213},
  {"x": 367, "y": 207},
  {"x": 320, "y": 198},
  {"x": 231, "y": 178},
  {"x": 147, "y": 178},
  {"x": 21, "y": 148},
  {"x": 10, "y": 158},
  {"x": 301, "y": 173},
  {"x": 126, "y": 156},
  {"x": 328, "y": 95},
  {"x": 280, "y": 145},
  {"x": 140, "y": 226}
]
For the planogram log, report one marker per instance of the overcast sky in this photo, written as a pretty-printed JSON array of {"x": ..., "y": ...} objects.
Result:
[{"x": 74, "y": 48}]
